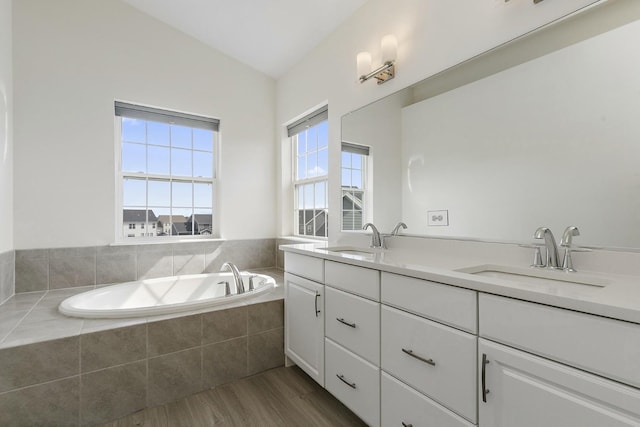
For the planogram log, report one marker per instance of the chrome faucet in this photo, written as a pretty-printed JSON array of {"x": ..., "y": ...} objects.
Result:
[
  {"x": 566, "y": 242},
  {"x": 552, "y": 258},
  {"x": 396, "y": 229},
  {"x": 376, "y": 238},
  {"x": 237, "y": 277}
]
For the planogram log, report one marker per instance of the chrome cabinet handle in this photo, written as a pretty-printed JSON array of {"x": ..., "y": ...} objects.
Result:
[
  {"x": 341, "y": 378},
  {"x": 344, "y": 322},
  {"x": 420, "y": 358},
  {"x": 316, "y": 304},
  {"x": 485, "y": 390},
  {"x": 406, "y": 425}
]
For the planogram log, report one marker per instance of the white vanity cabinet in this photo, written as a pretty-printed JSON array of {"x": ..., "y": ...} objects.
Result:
[
  {"x": 520, "y": 389},
  {"x": 421, "y": 350},
  {"x": 352, "y": 345},
  {"x": 304, "y": 314},
  {"x": 403, "y": 351},
  {"x": 542, "y": 386}
]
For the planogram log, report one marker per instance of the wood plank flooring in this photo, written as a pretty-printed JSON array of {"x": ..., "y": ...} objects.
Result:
[{"x": 279, "y": 397}]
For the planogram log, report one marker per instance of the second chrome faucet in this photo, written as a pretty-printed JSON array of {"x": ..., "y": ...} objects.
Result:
[
  {"x": 377, "y": 239},
  {"x": 552, "y": 256}
]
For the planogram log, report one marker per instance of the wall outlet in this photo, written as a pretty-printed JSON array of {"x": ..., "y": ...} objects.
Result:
[{"x": 437, "y": 218}]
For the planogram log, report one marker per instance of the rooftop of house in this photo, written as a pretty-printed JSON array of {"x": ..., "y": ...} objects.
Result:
[
  {"x": 165, "y": 219},
  {"x": 138, "y": 215}
]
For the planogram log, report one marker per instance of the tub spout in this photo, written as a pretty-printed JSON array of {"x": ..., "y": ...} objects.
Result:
[{"x": 237, "y": 277}]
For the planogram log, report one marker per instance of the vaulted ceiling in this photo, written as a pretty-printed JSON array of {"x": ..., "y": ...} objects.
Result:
[{"x": 268, "y": 35}]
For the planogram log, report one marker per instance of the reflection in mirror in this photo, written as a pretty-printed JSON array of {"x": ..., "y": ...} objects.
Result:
[
  {"x": 552, "y": 142},
  {"x": 354, "y": 189}
]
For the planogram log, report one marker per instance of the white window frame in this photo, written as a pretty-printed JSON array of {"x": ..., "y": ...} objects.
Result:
[
  {"x": 297, "y": 183},
  {"x": 364, "y": 151},
  {"x": 120, "y": 176},
  {"x": 316, "y": 117}
]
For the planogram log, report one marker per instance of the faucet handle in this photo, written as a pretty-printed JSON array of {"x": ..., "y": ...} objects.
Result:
[
  {"x": 537, "y": 258},
  {"x": 567, "y": 236},
  {"x": 251, "y": 286},
  {"x": 227, "y": 289},
  {"x": 537, "y": 254}
]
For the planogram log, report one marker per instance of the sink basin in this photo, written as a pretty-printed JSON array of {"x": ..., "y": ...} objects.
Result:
[
  {"x": 353, "y": 250},
  {"x": 552, "y": 281}
]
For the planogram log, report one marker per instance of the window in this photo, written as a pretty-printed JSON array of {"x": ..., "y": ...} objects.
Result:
[
  {"x": 310, "y": 142},
  {"x": 353, "y": 171},
  {"x": 167, "y": 172}
]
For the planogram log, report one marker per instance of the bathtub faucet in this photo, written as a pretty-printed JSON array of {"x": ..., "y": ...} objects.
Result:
[{"x": 237, "y": 277}]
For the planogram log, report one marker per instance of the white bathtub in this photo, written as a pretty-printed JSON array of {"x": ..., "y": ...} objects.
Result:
[{"x": 161, "y": 296}]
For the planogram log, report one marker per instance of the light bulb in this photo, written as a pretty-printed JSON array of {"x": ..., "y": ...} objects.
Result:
[
  {"x": 389, "y": 48},
  {"x": 364, "y": 63}
]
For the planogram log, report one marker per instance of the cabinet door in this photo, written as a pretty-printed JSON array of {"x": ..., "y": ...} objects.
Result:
[
  {"x": 519, "y": 389},
  {"x": 304, "y": 325}
]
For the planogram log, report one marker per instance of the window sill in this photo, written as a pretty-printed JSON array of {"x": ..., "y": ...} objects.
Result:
[
  {"x": 304, "y": 239},
  {"x": 168, "y": 241}
]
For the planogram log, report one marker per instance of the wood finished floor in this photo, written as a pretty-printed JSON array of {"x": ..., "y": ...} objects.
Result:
[{"x": 279, "y": 397}]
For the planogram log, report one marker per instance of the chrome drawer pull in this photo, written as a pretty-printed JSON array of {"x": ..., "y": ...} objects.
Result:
[
  {"x": 422, "y": 359},
  {"x": 485, "y": 390},
  {"x": 316, "y": 304},
  {"x": 341, "y": 378},
  {"x": 406, "y": 425},
  {"x": 344, "y": 322}
]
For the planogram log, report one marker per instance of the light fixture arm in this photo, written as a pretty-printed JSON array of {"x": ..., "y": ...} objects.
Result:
[{"x": 385, "y": 72}]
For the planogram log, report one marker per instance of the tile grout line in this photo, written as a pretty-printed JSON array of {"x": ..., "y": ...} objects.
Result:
[
  {"x": 23, "y": 317},
  {"x": 80, "y": 378},
  {"x": 39, "y": 384}
]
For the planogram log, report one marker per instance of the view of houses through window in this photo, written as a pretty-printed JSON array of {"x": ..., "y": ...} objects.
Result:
[
  {"x": 167, "y": 172},
  {"x": 353, "y": 172},
  {"x": 135, "y": 220}
]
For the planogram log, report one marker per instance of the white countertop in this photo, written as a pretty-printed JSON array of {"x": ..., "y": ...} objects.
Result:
[{"x": 618, "y": 298}]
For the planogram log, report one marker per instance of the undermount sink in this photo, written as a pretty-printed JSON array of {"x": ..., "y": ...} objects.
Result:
[
  {"x": 353, "y": 250},
  {"x": 553, "y": 281}
]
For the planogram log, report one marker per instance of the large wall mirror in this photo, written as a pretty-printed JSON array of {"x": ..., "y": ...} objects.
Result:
[{"x": 544, "y": 131}]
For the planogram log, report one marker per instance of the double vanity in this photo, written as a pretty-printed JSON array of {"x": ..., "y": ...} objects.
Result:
[{"x": 414, "y": 339}]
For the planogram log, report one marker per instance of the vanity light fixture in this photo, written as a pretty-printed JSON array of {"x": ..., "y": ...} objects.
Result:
[{"x": 387, "y": 70}]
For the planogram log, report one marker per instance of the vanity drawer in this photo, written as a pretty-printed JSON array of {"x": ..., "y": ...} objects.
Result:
[
  {"x": 354, "y": 381},
  {"x": 304, "y": 266},
  {"x": 604, "y": 346},
  {"x": 402, "y": 405},
  {"x": 357, "y": 280},
  {"x": 354, "y": 323},
  {"x": 441, "y": 363},
  {"x": 447, "y": 304}
]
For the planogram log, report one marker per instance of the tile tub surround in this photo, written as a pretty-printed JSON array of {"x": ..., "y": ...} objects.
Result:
[
  {"x": 95, "y": 377},
  {"x": 59, "y": 268},
  {"x": 7, "y": 269}
]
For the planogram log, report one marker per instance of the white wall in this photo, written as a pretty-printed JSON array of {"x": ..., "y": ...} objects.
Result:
[
  {"x": 72, "y": 59},
  {"x": 432, "y": 34},
  {"x": 6, "y": 129}
]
